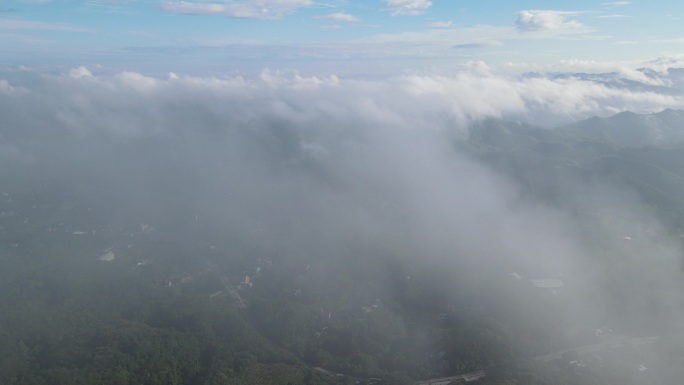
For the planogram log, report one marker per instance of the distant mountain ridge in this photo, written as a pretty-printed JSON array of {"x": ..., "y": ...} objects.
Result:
[
  {"x": 643, "y": 153},
  {"x": 626, "y": 129},
  {"x": 631, "y": 129},
  {"x": 670, "y": 82}
]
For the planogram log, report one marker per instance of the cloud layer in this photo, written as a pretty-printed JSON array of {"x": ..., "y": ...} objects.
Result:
[
  {"x": 333, "y": 168},
  {"x": 436, "y": 101}
]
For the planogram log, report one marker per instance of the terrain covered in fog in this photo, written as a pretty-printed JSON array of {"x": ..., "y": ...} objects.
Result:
[{"x": 316, "y": 229}]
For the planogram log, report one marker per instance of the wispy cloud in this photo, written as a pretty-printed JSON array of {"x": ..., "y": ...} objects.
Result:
[
  {"x": 614, "y": 4},
  {"x": 441, "y": 24},
  {"x": 434, "y": 41},
  {"x": 30, "y": 24},
  {"x": 611, "y": 17},
  {"x": 407, "y": 7},
  {"x": 339, "y": 16},
  {"x": 671, "y": 40},
  {"x": 251, "y": 9},
  {"x": 146, "y": 34},
  {"x": 482, "y": 44},
  {"x": 113, "y": 6}
]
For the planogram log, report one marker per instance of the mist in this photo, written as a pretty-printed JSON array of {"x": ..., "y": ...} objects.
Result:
[{"x": 334, "y": 195}]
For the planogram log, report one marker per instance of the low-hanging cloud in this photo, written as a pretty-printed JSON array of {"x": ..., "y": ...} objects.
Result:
[
  {"x": 356, "y": 132},
  {"x": 334, "y": 168}
]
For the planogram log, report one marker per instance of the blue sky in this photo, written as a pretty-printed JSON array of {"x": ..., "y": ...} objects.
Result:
[{"x": 244, "y": 35}]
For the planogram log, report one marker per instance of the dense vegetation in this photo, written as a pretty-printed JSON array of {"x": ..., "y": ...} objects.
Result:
[{"x": 186, "y": 302}]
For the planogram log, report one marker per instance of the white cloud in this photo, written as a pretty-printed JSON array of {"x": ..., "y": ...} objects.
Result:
[
  {"x": 407, "y": 7},
  {"x": 546, "y": 20},
  {"x": 441, "y": 24},
  {"x": 339, "y": 16},
  {"x": 250, "y": 9},
  {"x": 80, "y": 72}
]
